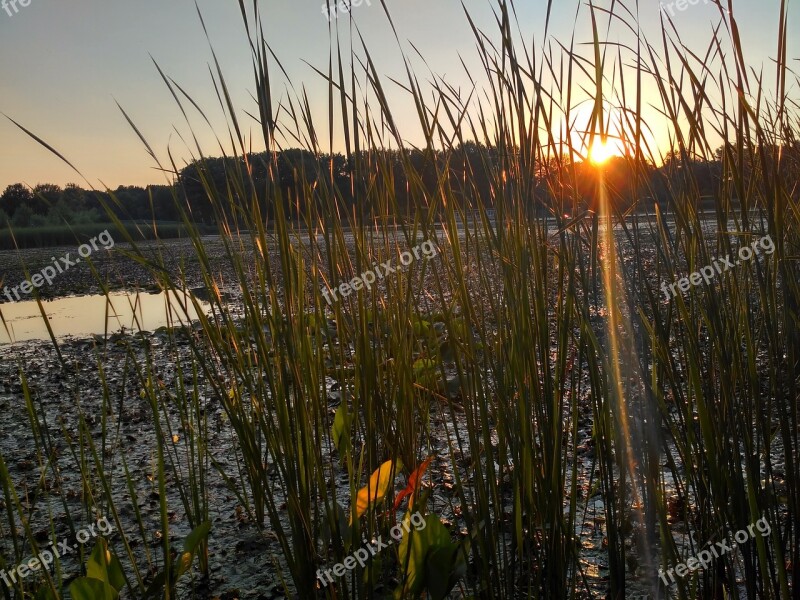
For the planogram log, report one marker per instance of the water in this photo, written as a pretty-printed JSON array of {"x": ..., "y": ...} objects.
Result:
[{"x": 84, "y": 316}]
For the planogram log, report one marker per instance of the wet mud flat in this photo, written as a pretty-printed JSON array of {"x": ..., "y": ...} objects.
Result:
[
  {"x": 114, "y": 269},
  {"x": 69, "y": 400},
  {"x": 68, "y": 396}
]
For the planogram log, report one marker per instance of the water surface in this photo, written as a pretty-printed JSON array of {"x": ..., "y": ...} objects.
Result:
[{"x": 84, "y": 316}]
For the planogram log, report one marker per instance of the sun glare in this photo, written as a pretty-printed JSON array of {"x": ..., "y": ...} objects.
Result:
[{"x": 601, "y": 152}]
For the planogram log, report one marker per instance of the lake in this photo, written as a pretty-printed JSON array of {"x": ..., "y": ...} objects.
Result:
[{"x": 84, "y": 316}]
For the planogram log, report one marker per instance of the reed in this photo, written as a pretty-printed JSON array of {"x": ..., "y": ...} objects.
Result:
[{"x": 535, "y": 357}]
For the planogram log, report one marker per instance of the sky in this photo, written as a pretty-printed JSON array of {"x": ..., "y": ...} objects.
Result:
[{"x": 65, "y": 65}]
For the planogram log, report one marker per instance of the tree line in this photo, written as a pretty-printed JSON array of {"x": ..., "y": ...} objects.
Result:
[{"x": 360, "y": 184}]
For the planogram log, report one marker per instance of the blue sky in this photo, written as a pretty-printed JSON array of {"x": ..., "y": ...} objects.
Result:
[{"x": 65, "y": 63}]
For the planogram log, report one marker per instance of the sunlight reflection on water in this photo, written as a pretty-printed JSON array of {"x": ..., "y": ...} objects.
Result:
[{"x": 83, "y": 316}]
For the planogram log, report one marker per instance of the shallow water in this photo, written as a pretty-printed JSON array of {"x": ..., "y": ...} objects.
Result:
[{"x": 84, "y": 316}]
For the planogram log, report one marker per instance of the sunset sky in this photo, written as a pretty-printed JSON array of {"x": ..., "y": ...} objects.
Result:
[{"x": 64, "y": 64}]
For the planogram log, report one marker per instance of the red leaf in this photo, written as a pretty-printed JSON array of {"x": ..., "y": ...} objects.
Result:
[{"x": 413, "y": 483}]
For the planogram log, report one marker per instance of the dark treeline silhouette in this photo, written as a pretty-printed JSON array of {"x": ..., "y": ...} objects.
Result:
[
  {"x": 296, "y": 178},
  {"x": 50, "y": 205}
]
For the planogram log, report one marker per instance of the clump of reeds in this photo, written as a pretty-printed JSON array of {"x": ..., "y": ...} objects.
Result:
[{"x": 544, "y": 313}]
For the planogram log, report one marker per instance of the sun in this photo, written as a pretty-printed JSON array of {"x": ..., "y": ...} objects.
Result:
[{"x": 601, "y": 152}]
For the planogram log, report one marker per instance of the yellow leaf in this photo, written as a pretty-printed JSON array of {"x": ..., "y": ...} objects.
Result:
[{"x": 378, "y": 486}]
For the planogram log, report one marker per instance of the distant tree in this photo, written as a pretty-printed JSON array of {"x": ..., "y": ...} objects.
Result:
[
  {"x": 163, "y": 203},
  {"x": 91, "y": 215},
  {"x": 135, "y": 202},
  {"x": 196, "y": 176},
  {"x": 61, "y": 213},
  {"x": 3, "y": 218},
  {"x": 75, "y": 197},
  {"x": 13, "y": 197},
  {"x": 45, "y": 195},
  {"x": 22, "y": 216},
  {"x": 94, "y": 201}
]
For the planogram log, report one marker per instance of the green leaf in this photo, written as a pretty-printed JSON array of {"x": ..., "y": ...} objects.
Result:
[
  {"x": 422, "y": 328},
  {"x": 157, "y": 586},
  {"x": 190, "y": 546},
  {"x": 444, "y": 566},
  {"x": 116, "y": 576},
  {"x": 438, "y": 565},
  {"x": 373, "y": 570},
  {"x": 45, "y": 593},
  {"x": 429, "y": 558},
  {"x": 105, "y": 566},
  {"x": 183, "y": 564},
  {"x": 343, "y": 528},
  {"x": 412, "y": 551},
  {"x": 87, "y": 588},
  {"x": 460, "y": 329},
  {"x": 193, "y": 540},
  {"x": 341, "y": 429},
  {"x": 425, "y": 372},
  {"x": 97, "y": 565}
]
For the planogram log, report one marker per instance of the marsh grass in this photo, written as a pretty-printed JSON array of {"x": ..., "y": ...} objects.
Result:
[{"x": 540, "y": 322}]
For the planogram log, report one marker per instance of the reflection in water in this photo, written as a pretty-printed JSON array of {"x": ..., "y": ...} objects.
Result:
[{"x": 83, "y": 316}]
